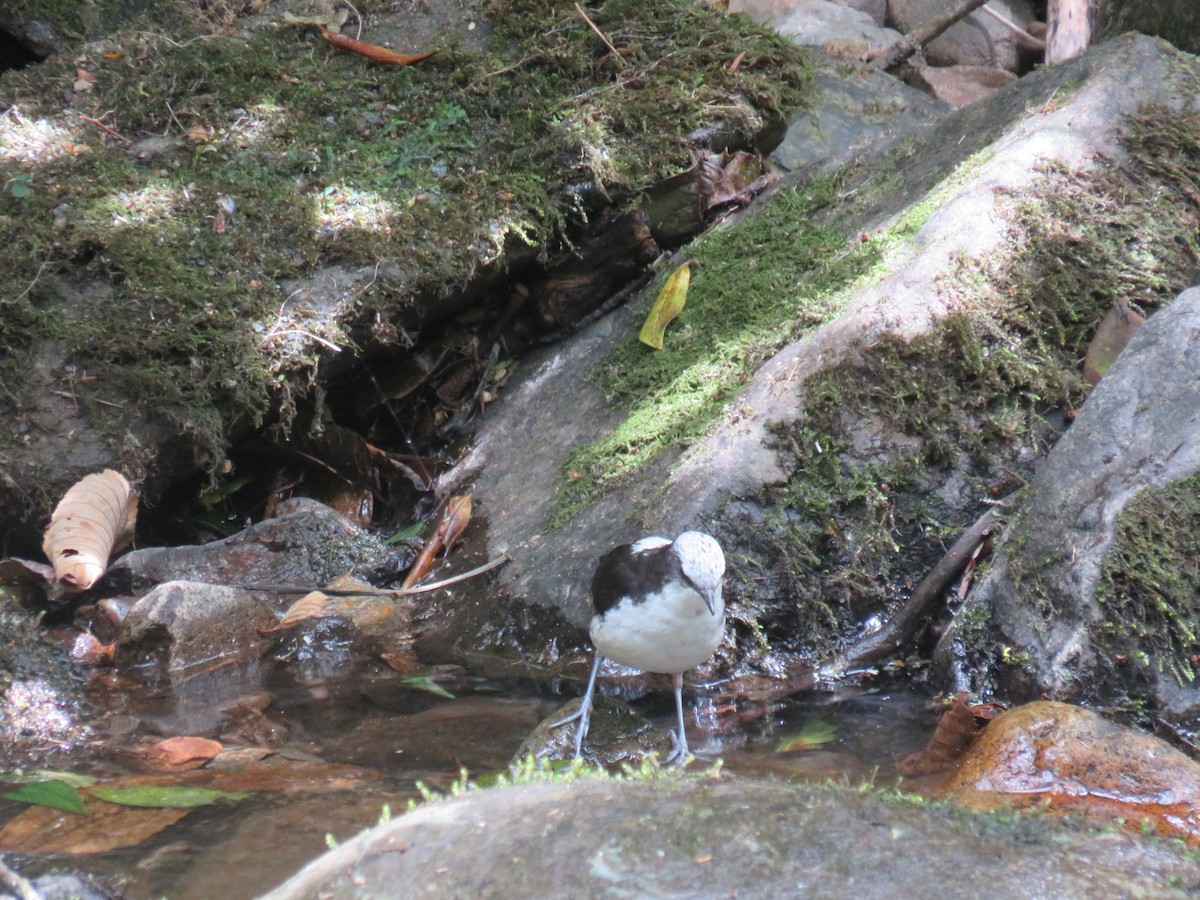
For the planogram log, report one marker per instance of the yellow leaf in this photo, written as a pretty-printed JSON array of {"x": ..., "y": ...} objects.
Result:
[{"x": 669, "y": 304}]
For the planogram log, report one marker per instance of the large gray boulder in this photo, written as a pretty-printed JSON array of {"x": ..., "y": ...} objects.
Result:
[{"x": 728, "y": 838}]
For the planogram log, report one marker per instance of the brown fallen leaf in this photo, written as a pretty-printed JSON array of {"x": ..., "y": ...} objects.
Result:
[
  {"x": 402, "y": 659},
  {"x": 94, "y": 519},
  {"x": 373, "y": 52},
  {"x": 107, "y": 826},
  {"x": 271, "y": 775},
  {"x": 955, "y": 732},
  {"x": 177, "y": 754},
  {"x": 363, "y": 610},
  {"x": 310, "y": 606},
  {"x": 453, "y": 522},
  {"x": 1114, "y": 332}
]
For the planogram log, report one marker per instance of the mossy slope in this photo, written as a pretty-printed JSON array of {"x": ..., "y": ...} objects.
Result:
[{"x": 203, "y": 160}]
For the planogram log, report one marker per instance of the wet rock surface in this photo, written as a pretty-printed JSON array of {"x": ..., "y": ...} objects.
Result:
[
  {"x": 701, "y": 838},
  {"x": 191, "y": 624},
  {"x": 306, "y": 543},
  {"x": 1070, "y": 760}
]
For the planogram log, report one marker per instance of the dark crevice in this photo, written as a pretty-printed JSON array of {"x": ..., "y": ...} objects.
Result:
[{"x": 15, "y": 53}]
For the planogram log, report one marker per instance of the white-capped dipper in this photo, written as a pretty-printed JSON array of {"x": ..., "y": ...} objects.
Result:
[{"x": 656, "y": 606}]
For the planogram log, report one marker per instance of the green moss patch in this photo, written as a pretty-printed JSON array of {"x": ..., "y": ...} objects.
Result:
[
  {"x": 1150, "y": 584},
  {"x": 754, "y": 288},
  {"x": 860, "y": 519},
  {"x": 901, "y": 449}
]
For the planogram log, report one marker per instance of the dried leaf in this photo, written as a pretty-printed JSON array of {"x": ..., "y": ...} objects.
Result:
[
  {"x": 956, "y": 731},
  {"x": 94, "y": 519},
  {"x": 269, "y": 775},
  {"x": 453, "y": 522},
  {"x": 373, "y": 52},
  {"x": 54, "y": 794},
  {"x": 334, "y": 20},
  {"x": 163, "y": 796},
  {"x": 401, "y": 660},
  {"x": 425, "y": 683},
  {"x": 667, "y": 307},
  {"x": 363, "y": 610},
  {"x": 106, "y": 826},
  {"x": 812, "y": 736},
  {"x": 1114, "y": 332},
  {"x": 178, "y": 754},
  {"x": 310, "y": 606},
  {"x": 742, "y": 176},
  {"x": 200, "y": 134}
]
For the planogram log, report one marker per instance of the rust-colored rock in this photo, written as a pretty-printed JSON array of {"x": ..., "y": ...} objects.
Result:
[{"x": 1070, "y": 760}]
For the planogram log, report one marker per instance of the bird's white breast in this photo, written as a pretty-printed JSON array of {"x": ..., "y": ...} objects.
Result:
[{"x": 670, "y": 631}]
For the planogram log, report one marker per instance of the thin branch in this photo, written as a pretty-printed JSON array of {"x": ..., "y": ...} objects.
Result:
[
  {"x": 308, "y": 334},
  {"x": 592, "y": 25},
  {"x": 18, "y": 884},
  {"x": 1035, "y": 42},
  {"x": 899, "y": 628},
  {"x": 379, "y": 592},
  {"x": 923, "y": 34},
  {"x": 29, "y": 287},
  {"x": 106, "y": 128}
]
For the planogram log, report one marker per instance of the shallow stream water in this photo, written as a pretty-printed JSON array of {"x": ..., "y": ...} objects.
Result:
[{"x": 407, "y": 735}]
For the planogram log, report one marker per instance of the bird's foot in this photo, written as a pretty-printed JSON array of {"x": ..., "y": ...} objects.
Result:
[
  {"x": 583, "y": 716},
  {"x": 679, "y": 755},
  {"x": 573, "y": 717}
]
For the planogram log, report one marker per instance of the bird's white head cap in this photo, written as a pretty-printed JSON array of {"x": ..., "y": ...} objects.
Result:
[{"x": 703, "y": 563}]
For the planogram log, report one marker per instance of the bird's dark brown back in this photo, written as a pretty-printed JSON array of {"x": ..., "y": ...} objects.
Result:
[{"x": 625, "y": 573}]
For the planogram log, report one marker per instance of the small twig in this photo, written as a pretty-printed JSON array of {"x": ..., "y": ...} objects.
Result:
[
  {"x": 1035, "y": 42},
  {"x": 174, "y": 118},
  {"x": 358, "y": 16},
  {"x": 308, "y": 334},
  {"x": 70, "y": 395},
  {"x": 103, "y": 127},
  {"x": 600, "y": 34},
  {"x": 379, "y": 592},
  {"x": 18, "y": 884},
  {"x": 29, "y": 287},
  {"x": 455, "y": 579}
]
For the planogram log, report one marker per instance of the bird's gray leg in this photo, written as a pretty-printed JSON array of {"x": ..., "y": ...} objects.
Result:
[
  {"x": 679, "y": 752},
  {"x": 584, "y": 713}
]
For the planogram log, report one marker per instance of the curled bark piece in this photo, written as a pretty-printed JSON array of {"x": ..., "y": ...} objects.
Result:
[{"x": 93, "y": 519}]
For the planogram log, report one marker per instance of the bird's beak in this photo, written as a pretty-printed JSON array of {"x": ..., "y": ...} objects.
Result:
[{"x": 711, "y": 599}]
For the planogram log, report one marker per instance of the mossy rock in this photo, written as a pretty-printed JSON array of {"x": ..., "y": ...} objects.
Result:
[{"x": 168, "y": 230}]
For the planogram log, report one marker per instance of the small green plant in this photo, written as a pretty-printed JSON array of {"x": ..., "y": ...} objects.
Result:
[{"x": 19, "y": 186}]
